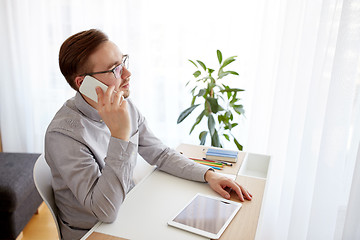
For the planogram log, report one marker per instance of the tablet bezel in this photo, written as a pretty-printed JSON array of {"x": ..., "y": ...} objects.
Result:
[{"x": 201, "y": 232}]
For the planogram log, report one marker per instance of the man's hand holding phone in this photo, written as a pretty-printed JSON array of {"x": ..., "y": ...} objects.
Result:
[{"x": 113, "y": 110}]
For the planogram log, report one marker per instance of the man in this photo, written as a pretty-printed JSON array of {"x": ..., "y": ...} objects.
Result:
[{"x": 91, "y": 147}]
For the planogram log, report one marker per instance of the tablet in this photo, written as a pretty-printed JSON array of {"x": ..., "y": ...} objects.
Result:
[{"x": 206, "y": 215}]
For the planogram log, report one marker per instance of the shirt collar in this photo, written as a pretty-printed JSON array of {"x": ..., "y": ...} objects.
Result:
[{"x": 86, "y": 108}]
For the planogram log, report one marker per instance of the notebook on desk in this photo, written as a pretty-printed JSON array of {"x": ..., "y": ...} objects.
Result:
[{"x": 221, "y": 155}]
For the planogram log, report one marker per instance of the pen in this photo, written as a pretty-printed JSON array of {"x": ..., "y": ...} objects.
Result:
[
  {"x": 226, "y": 163},
  {"x": 223, "y": 162},
  {"x": 216, "y": 168},
  {"x": 205, "y": 161},
  {"x": 209, "y": 160},
  {"x": 209, "y": 164},
  {"x": 212, "y": 161}
]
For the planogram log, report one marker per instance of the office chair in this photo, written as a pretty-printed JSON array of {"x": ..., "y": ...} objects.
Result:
[{"x": 42, "y": 179}]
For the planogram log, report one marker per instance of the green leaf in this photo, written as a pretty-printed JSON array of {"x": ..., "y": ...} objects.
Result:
[
  {"x": 198, "y": 120},
  {"x": 202, "y": 137},
  {"x": 222, "y": 74},
  {"x": 219, "y": 55},
  {"x": 232, "y": 90},
  {"x": 204, "y": 79},
  {"x": 215, "y": 141},
  {"x": 220, "y": 96},
  {"x": 193, "y": 90},
  {"x": 220, "y": 118},
  {"x": 210, "y": 71},
  {"x": 226, "y": 136},
  {"x": 229, "y": 115},
  {"x": 239, "y": 109},
  {"x": 238, "y": 145},
  {"x": 226, "y": 90},
  {"x": 201, "y": 92},
  {"x": 234, "y": 94},
  {"x": 224, "y": 119},
  {"x": 233, "y": 101},
  {"x": 202, "y": 64},
  {"x": 185, "y": 113},
  {"x": 220, "y": 108},
  {"x": 211, "y": 124},
  {"x": 227, "y": 61},
  {"x": 192, "y": 62},
  {"x": 225, "y": 86},
  {"x": 214, "y": 105},
  {"x": 230, "y": 126},
  {"x": 197, "y": 73}
]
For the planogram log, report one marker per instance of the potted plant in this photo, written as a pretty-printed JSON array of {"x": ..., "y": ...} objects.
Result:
[{"x": 219, "y": 102}]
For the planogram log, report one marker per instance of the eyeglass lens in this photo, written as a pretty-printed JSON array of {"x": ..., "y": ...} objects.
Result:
[{"x": 119, "y": 69}]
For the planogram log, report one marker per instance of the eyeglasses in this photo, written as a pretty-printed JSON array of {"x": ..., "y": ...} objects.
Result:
[{"x": 117, "y": 70}]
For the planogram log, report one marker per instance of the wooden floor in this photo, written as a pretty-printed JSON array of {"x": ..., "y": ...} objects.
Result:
[{"x": 41, "y": 226}]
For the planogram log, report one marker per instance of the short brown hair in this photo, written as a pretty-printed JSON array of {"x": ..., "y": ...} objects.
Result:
[{"x": 75, "y": 51}]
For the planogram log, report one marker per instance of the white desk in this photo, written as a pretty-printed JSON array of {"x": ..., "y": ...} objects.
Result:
[{"x": 147, "y": 208}]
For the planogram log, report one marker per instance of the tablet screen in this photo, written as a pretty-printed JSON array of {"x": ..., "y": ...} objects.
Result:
[{"x": 207, "y": 214}]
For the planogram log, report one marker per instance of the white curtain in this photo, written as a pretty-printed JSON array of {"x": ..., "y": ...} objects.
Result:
[
  {"x": 158, "y": 35},
  {"x": 306, "y": 116},
  {"x": 298, "y": 61}
]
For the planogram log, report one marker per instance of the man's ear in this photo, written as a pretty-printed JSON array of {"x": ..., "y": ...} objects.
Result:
[{"x": 78, "y": 80}]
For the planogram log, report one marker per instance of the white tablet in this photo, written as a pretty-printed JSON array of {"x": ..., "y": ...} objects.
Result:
[{"x": 206, "y": 215}]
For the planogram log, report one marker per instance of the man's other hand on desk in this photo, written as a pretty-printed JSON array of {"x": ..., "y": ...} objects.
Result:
[{"x": 219, "y": 183}]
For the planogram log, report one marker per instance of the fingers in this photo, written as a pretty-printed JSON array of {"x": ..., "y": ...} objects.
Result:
[
  {"x": 112, "y": 108},
  {"x": 245, "y": 192},
  {"x": 110, "y": 96},
  {"x": 100, "y": 95},
  {"x": 222, "y": 192},
  {"x": 118, "y": 98},
  {"x": 237, "y": 188},
  {"x": 226, "y": 183},
  {"x": 242, "y": 192}
]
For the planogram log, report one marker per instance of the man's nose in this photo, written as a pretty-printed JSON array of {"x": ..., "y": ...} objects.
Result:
[{"x": 126, "y": 73}]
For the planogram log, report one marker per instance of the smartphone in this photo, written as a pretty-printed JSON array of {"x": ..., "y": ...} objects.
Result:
[{"x": 88, "y": 87}]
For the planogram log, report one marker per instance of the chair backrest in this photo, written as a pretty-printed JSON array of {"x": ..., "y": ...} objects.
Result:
[{"x": 42, "y": 179}]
